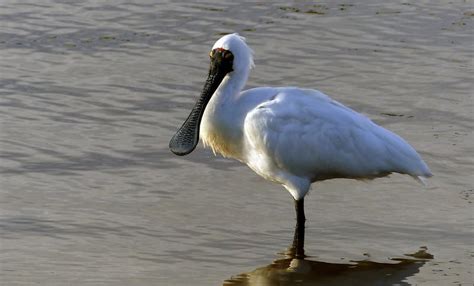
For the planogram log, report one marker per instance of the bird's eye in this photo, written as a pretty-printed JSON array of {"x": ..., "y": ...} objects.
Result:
[{"x": 228, "y": 55}]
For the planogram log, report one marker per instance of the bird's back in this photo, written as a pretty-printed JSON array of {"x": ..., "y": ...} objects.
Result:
[{"x": 306, "y": 134}]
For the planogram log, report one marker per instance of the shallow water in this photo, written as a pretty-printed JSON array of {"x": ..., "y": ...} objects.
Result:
[{"x": 92, "y": 92}]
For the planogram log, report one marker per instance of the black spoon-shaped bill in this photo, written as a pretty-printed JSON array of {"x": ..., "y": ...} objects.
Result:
[{"x": 187, "y": 137}]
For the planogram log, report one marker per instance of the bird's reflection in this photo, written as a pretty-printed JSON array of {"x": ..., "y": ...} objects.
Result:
[{"x": 290, "y": 269}]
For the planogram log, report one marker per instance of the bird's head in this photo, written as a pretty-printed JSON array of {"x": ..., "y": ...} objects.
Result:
[
  {"x": 230, "y": 54},
  {"x": 233, "y": 50}
]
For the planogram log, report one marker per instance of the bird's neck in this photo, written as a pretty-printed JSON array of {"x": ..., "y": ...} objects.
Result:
[
  {"x": 220, "y": 125},
  {"x": 230, "y": 88}
]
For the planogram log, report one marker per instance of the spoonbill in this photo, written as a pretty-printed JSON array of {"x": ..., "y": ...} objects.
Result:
[{"x": 288, "y": 135}]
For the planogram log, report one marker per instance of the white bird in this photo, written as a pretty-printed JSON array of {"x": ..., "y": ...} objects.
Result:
[{"x": 288, "y": 135}]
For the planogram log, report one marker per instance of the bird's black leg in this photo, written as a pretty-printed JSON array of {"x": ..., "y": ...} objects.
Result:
[{"x": 298, "y": 239}]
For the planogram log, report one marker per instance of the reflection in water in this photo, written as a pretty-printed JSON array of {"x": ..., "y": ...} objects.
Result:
[
  {"x": 290, "y": 270},
  {"x": 293, "y": 271}
]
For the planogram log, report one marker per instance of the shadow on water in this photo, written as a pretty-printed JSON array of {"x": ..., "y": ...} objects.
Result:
[
  {"x": 293, "y": 271},
  {"x": 293, "y": 268}
]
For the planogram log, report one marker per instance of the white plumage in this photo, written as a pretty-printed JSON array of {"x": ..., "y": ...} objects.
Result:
[{"x": 296, "y": 136}]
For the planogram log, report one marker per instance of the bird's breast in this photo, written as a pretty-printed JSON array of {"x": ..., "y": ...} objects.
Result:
[{"x": 221, "y": 136}]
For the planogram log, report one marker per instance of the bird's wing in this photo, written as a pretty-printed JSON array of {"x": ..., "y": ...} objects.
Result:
[{"x": 307, "y": 134}]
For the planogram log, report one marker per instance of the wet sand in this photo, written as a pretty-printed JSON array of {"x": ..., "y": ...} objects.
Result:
[{"x": 91, "y": 94}]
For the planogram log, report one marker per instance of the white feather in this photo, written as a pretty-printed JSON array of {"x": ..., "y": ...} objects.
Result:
[{"x": 298, "y": 136}]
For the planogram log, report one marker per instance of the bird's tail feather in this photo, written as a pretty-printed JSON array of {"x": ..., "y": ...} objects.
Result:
[{"x": 422, "y": 180}]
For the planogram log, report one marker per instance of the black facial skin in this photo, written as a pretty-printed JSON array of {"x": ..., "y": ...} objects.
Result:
[{"x": 187, "y": 137}]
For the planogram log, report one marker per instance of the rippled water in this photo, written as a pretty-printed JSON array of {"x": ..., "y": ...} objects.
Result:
[{"x": 92, "y": 92}]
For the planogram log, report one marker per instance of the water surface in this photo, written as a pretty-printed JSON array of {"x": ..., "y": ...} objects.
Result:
[{"x": 91, "y": 92}]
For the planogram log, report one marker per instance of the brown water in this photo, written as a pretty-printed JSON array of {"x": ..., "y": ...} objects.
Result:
[{"x": 92, "y": 92}]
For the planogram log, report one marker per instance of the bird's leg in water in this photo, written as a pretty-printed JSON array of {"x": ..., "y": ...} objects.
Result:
[{"x": 298, "y": 239}]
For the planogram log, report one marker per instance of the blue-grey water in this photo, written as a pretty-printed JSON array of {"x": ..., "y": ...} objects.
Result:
[{"x": 92, "y": 91}]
